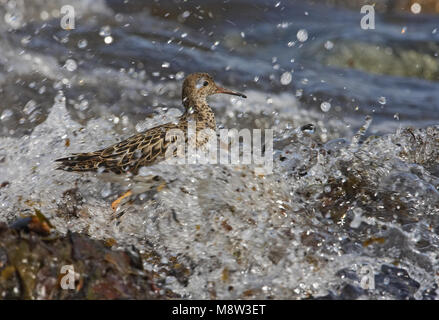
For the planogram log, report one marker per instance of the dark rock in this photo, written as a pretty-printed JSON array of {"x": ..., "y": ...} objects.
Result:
[
  {"x": 389, "y": 6},
  {"x": 30, "y": 267},
  {"x": 398, "y": 282}
]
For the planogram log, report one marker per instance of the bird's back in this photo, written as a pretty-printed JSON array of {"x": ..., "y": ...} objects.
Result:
[{"x": 127, "y": 156}]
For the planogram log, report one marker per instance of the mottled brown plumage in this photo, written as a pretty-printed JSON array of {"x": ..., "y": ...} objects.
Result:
[{"x": 149, "y": 147}]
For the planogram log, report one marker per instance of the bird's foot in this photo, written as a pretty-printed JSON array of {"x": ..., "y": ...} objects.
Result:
[{"x": 115, "y": 204}]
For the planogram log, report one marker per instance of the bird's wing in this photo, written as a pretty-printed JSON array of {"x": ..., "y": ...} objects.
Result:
[{"x": 142, "y": 149}]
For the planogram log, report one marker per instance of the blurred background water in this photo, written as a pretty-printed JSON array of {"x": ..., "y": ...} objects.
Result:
[
  {"x": 300, "y": 62},
  {"x": 317, "y": 52}
]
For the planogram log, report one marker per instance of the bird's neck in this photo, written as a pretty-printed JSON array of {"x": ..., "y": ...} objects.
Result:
[{"x": 200, "y": 111}]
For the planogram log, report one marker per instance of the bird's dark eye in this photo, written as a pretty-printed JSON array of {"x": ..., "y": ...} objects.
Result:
[{"x": 205, "y": 83}]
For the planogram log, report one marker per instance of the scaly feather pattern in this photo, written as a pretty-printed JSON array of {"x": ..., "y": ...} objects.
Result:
[{"x": 150, "y": 146}]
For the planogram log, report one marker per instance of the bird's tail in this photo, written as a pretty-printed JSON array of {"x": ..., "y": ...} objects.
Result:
[{"x": 80, "y": 162}]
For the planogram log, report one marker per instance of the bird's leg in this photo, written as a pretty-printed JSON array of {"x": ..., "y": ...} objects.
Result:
[{"x": 115, "y": 203}]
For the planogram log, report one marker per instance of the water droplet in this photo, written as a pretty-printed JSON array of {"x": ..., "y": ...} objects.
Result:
[
  {"x": 325, "y": 106},
  {"x": 329, "y": 45},
  {"x": 83, "y": 105},
  {"x": 118, "y": 17},
  {"x": 70, "y": 65},
  {"x": 30, "y": 107},
  {"x": 105, "y": 31},
  {"x": 25, "y": 40},
  {"x": 382, "y": 100},
  {"x": 108, "y": 39},
  {"x": 6, "y": 115},
  {"x": 302, "y": 35},
  {"x": 185, "y": 14},
  {"x": 416, "y": 8},
  {"x": 286, "y": 78},
  {"x": 356, "y": 221},
  {"x": 82, "y": 44},
  {"x": 14, "y": 19},
  {"x": 60, "y": 97},
  {"x": 44, "y": 15},
  {"x": 179, "y": 75}
]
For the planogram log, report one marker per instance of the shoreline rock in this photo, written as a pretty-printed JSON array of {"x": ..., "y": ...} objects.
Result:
[
  {"x": 31, "y": 262},
  {"x": 390, "y": 6}
]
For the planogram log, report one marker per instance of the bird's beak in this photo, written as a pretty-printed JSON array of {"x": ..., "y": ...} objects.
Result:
[{"x": 226, "y": 91}]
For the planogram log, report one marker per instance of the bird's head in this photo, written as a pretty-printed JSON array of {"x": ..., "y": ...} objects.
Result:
[{"x": 198, "y": 86}]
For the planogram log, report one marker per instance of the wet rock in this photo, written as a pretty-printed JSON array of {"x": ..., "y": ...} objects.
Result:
[
  {"x": 71, "y": 202},
  {"x": 372, "y": 58},
  {"x": 30, "y": 267},
  {"x": 351, "y": 292},
  {"x": 3, "y": 258},
  {"x": 392, "y": 281},
  {"x": 397, "y": 282},
  {"x": 348, "y": 292},
  {"x": 390, "y": 6}
]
